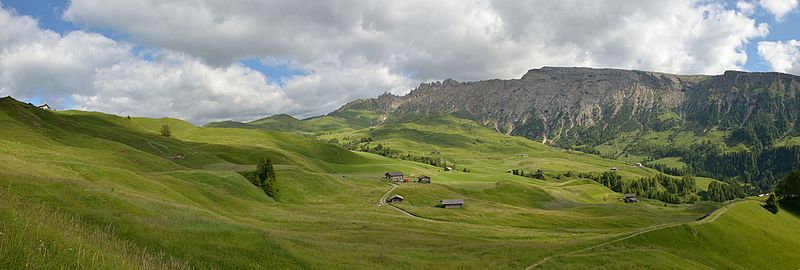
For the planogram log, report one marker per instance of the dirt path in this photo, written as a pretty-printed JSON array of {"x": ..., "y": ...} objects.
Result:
[
  {"x": 709, "y": 218},
  {"x": 382, "y": 202}
]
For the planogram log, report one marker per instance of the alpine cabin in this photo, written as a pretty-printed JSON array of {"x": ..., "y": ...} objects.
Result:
[
  {"x": 630, "y": 198},
  {"x": 394, "y": 176},
  {"x": 424, "y": 179},
  {"x": 396, "y": 199},
  {"x": 454, "y": 203}
]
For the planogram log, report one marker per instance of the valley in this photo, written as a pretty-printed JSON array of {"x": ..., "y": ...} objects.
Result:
[{"x": 85, "y": 188}]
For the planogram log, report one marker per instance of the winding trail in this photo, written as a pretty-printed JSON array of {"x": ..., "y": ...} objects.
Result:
[
  {"x": 382, "y": 202},
  {"x": 710, "y": 218},
  {"x": 713, "y": 216}
]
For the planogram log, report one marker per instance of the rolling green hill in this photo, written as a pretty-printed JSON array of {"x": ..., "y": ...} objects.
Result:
[{"x": 91, "y": 190}]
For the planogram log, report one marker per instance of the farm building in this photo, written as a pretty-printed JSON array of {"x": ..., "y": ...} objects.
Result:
[
  {"x": 424, "y": 179},
  {"x": 639, "y": 164},
  {"x": 45, "y": 107},
  {"x": 613, "y": 168},
  {"x": 447, "y": 169},
  {"x": 395, "y": 199},
  {"x": 630, "y": 198},
  {"x": 394, "y": 176},
  {"x": 454, "y": 203}
]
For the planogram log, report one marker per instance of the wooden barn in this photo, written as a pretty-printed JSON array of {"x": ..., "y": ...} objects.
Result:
[
  {"x": 454, "y": 203},
  {"x": 396, "y": 199},
  {"x": 630, "y": 198},
  {"x": 424, "y": 179},
  {"x": 45, "y": 107},
  {"x": 394, "y": 176}
]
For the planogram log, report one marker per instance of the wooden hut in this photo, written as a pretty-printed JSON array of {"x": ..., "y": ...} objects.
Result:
[
  {"x": 394, "y": 176},
  {"x": 630, "y": 198},
  {"x": 453, "y": 203},
  {"x": 396, "y": 199},
  {"x": 424, "y": 179}
]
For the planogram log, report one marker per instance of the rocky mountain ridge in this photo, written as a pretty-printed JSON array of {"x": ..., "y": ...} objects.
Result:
[{"x": 591, "y": 106}]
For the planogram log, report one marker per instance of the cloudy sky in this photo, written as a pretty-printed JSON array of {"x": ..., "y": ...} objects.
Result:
[{"x": 209, "y": 60}]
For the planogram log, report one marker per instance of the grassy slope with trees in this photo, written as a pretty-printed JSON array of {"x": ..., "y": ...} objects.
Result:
[{"x": 87, "y": 189}]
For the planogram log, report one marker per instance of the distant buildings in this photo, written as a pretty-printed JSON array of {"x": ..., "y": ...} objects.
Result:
[
  {"x": 396, "y": 199},
  {"x": 630, "y": 198},
  {"x": 424, "y": 179},
  {"x": 454, "y": 203},
  {"x": 45, "y": 107},
  {"x": 394, "y": 176}
]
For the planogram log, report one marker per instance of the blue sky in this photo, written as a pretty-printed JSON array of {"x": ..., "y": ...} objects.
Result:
[{"x": 217, "y": 60}]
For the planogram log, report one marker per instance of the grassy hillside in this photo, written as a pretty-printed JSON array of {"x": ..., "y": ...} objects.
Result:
[
  {"x": 81, "y": 189},
  {"x": 744, "y": 236}
]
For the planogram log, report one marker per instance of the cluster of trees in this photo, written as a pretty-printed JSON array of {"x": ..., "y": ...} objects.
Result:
[
  {"x": 666, "y": 169},
  {"x": 660, "y": 187},
  {"x": 759, "y": 167},
  {"x": 538, "y": 174},
  {"x": 788, "y": 189},
  {"x": 385, "y": 151},
  {"x": 721, "y": 191},
  {"x": 264, "y": 177},
  {"x": 165, "y": 130}
]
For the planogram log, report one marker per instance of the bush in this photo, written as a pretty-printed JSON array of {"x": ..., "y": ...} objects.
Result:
[{"x": 166, "y": 131}]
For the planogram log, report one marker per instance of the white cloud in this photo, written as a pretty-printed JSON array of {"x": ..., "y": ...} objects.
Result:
[
  {"x": 426, "y": 40},
  {"x": 353, "y": 49},
  {"x": 782, "y": 56},
  {"x": 97, "y": 73},
  {"x": 180, "y": 86},
  {"x": 779, "y": 8},
  {"x": 745, "y": 7}
]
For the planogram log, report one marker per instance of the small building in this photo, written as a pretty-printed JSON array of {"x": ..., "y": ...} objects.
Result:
[
  {"x": 424, "y": 179},
  {"x": 395, "y": 199},
  {"x": 447, "y": 169},
  {"x": 45, "y": 107},
  {"x": 630, "y": 198},
  {"x": 394, "y": 176},
  {"x": 522, "y": 155},
  {"x": 613, "y": 168},
  {"x": 639, "y": 164},
  {"x": 453, "y": 203}
]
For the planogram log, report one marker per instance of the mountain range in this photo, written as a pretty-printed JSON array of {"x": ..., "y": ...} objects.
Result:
[{"x": 636, "y": 116}]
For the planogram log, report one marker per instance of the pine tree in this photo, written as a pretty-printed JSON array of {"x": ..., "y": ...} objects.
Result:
[
  {"x": 266, "y": 176},
  {"x": 772, "y": 204},
  {"x": 166, "y": 131}
]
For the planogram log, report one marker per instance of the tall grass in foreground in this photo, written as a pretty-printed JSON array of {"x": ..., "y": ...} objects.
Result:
[{"x": 34, "y": 236}]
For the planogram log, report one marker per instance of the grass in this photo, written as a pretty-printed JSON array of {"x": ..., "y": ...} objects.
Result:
[
  {"x": 81, "y": 189},
  {"x": 762, "y": 240}
]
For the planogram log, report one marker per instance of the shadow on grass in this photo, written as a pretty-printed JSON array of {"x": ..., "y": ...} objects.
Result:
[{"x": 791, "y": 206}]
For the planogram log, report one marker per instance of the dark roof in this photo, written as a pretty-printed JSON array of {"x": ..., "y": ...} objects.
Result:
[
  {"x": 394, "y": 174},
  {"x": 453, "y": 201}
]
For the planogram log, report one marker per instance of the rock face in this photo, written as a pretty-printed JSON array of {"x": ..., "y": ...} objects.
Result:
[{"x": 591, "y": 106}]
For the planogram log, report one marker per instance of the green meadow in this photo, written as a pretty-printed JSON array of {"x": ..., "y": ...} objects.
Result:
[{"x": 90, "y": 190}]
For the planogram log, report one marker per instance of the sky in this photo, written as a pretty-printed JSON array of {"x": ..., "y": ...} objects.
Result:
[{"x": 212, "y": 60}]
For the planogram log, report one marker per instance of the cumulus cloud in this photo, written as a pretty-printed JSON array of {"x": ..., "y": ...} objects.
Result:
[
  {"x": 781, "y": 56},
  {"x": 425, "y": 40},
  {"x": 746, "y": 7},
  {"x": 779, "y": 8},
  {"x": 353, "y": 49},
  {"x": 93, "y": 72}
]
